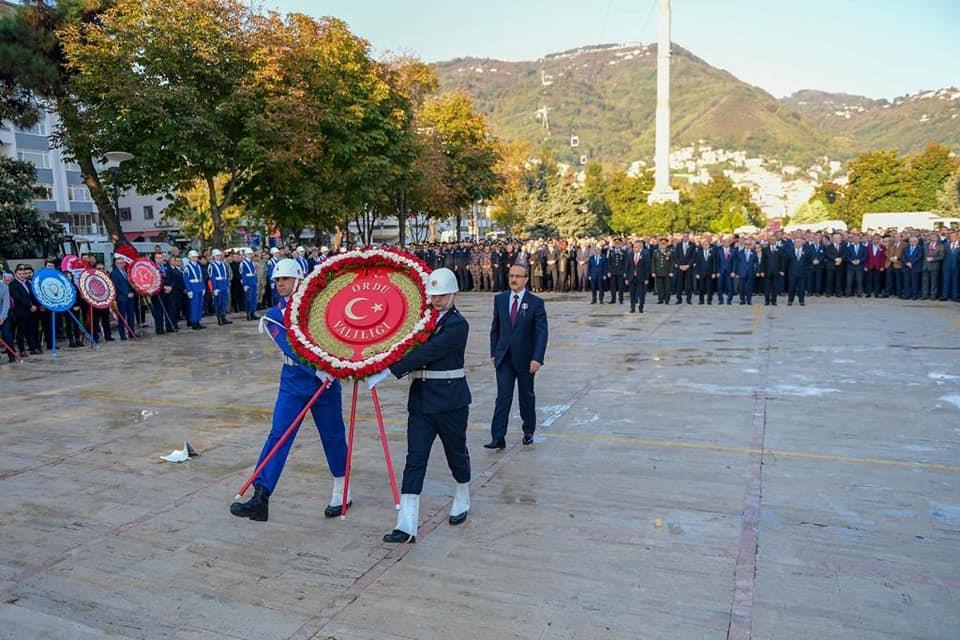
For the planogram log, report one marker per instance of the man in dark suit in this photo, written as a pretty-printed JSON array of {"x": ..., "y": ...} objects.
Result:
[
  {"x": 798, "y": 263},
  {"x": 726, "y": 270},
  {"x": 616, "y": 270},
  {"x": 704, "y": 271},
  {"x": 747, "y": 264},
  {"x": 597, "y": 270},
  {"x": 25, "y": 311},
  {"x": 856, "y": 264},
  {"x": 518, "y": 343},
  {"x": 638, "y": 272},
  {"x": 912, "y": 268},
  {"x": 772, "y": 268},
  {"x": 438, "y": 405},
  {"x": 834, "y": 257},
  {"x": 126, "y": 296},
  {"x": 683, "y": 262}
]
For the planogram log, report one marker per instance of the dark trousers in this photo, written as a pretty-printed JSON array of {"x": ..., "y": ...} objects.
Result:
[
  {"x": 834, "y": 282},
  {"x": 771, "y": 287},
  {"x": 596, "y": 288},
  {"x": 617, "y": 287},
  {"x": 422, "y": 430},
  {"x": 662, "y": 284},
  {"x": 873, "y": 282},
  {"x": 894, "y": 282},
  {"x": 854, "y": 280},
  {"x": 638, "y": 293},
  {"x": 25, "y": 328},
  {"x": 6, "y": 332},
  {"x": 704, "y": 287},
  {"x": 101, "y": 324},
  {"x": 911, "y": 285},
  {"x": 684, "y": 284},
  {"x": 930, "y": 280},
  {"x": 815, "y": 281},
  {"x": 951, "y": 285},
  {"x": 508, "y": 378},
  {"x": 725, "y": 287},
  {"x": 125, "y": 307},
  {"x": 797, "y": 287},
  {"x": 746, "y": 289},
  {"x": 161, "y": 323}
]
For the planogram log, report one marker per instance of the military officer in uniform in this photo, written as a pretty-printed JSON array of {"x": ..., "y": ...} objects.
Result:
[
  {"x": 298, "y": 383},
  {"x": 616, "y": 270},
  {"x": 438, "y": 405},
  {"x": 663, "y": 271}
]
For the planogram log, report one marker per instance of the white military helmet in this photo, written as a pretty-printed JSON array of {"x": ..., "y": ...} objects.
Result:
[
  {"x": 287, "y": 268},
  {"x": 216, "y": 252},
  {"x": 442, "y": 281},
  {"x": 274, "y": 251},
  {"x": 324, "y": 249},
  {"x": 193, "y": 254},
  {"x": 248, "y": 251},
  {"x": 301, "y": 250}
]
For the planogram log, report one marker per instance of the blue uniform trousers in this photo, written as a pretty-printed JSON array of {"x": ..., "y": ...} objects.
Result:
[
  {"x": 327, "y": 415},
  {"x": 251, "y": 298},
  {"x": 196, "y": 307},
  {"x": 221, "y": 299}
]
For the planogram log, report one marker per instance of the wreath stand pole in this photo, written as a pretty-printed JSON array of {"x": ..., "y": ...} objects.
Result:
[
  {"x": 346, "y": 475},
  {"x": 386, "y": 448}
]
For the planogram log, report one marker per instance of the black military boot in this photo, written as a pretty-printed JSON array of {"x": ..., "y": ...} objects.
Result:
[
  {"x": 224, "y": 320},
  {"x": 255, "y": 508},
  {"x": 219, "y": 321}
]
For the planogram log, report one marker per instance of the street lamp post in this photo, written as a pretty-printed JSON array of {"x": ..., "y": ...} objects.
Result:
[{"x": 114, "y": 160}]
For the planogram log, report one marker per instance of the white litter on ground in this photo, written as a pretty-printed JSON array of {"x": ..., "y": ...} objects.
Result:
[
  {"x": 954, "y": 400},
  {"x": 181, "y": 455}
]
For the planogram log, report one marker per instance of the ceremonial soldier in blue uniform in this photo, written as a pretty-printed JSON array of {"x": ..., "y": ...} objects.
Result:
[
  {"x": 194, "y": 280},
  {"x": 302, "y": 260},
  {"x": 220, "y": 282},
  {"x": 248, "y": 277},
  {"x": 438, "y": 405},
  {"x": 298, "y": 383},
  {"x": 271, "y": 293}
]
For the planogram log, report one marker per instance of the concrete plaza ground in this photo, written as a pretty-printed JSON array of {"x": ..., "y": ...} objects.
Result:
[{"x": 699, "y": 472}]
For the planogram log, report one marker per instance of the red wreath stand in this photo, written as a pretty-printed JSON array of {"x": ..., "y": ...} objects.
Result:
[{"x": 353, "y": 316}]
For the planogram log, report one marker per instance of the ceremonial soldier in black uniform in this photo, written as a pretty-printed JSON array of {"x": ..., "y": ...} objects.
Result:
[{"x": 438, "y": 405}]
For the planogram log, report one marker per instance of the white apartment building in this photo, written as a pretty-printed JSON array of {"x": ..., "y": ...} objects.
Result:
[{"x": 67, "y": 200}]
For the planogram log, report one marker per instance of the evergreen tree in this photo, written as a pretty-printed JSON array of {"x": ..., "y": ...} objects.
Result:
[{"x": 23, "y": 232}]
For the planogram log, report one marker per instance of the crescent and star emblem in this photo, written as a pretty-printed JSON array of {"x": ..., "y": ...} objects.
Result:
[{"x": 348, "y": 309}]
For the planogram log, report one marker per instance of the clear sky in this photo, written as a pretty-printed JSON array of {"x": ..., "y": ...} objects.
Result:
[{"x": 877, "y": 48}]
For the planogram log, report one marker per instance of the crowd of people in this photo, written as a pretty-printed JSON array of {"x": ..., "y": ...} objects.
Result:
[{"x": 911, "y": 264}]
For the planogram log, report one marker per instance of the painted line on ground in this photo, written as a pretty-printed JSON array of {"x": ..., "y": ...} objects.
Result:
[{"x": 745, "y": 572}]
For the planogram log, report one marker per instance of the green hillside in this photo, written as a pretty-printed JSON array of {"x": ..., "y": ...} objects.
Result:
[{"x": 605, "y": 95}]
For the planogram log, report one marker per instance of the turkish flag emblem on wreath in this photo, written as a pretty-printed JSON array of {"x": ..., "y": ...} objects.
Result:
[{"x": 360, "y": 311}]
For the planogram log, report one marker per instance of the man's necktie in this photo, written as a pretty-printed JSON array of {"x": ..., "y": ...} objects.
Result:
[{"x": 514, "y": 309}]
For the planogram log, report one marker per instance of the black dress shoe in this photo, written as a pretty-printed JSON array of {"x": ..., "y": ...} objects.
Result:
[
  {"x": 225, "y": 321},
  {"x": 527, "y": 438},
  {"x": 460, "y": 519},
  {"x": 399, "y": 537},
  {"x": 496, "y": 444},
  {"x": 333, "y": 512}
]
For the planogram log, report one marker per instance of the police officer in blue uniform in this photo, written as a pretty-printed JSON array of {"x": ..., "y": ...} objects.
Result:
[
  {"x": 193, "y": 274},
  {"x": 298, "y": 383},
  {"x": 438, "y": 405},
  {"x": 271, "y": 293},
  {"x": 220, "y": 282},
  {"x": 248, "y": 277}
]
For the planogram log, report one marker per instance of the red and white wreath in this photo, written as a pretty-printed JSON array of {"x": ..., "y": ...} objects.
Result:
[{"x": 359, "y": 312}]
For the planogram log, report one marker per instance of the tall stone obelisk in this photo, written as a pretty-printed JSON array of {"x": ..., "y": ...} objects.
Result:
[{"x": 661, "y": 184}]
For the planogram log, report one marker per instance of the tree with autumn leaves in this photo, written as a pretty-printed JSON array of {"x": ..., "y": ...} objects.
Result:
[{"x": 286, "y": 118}]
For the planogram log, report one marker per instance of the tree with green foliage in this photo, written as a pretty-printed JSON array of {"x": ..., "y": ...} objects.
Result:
[
  {"x": 34, "y": 74},
  {"x": 23, "y": 232},
  {"x": 470, "y": 151},
  {"x": 170, "y": 81},
  {"x": 948, "y": 198},
  {"x": 832, "y": 196},
  {"x": 813, "y": 211},
  {"x": 719, "y": 200},
  {"x": 877, "y": 181},
  {"x": 927, "y": 173}
]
